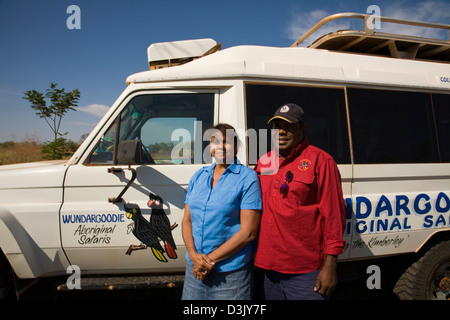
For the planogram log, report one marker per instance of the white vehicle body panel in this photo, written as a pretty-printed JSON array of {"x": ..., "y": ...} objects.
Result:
[
  {"x": 53, "y": 216},
  {"x": 29, "y": 217}
]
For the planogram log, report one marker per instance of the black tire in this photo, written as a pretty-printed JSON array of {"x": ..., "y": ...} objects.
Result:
[{"x": 429, "y": 277}]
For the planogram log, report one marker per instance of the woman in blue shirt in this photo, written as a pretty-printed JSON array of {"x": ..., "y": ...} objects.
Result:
[{"x": 221, "y": 219}]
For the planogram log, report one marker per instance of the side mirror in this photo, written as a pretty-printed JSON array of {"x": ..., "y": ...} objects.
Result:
[{"x": 129, "y": 152}]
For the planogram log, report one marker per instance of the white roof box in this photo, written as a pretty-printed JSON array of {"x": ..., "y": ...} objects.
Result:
[{"x": 169, "y": 54}]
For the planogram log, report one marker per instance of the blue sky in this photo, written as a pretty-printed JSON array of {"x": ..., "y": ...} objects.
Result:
[{"x": 37, "y": 48}]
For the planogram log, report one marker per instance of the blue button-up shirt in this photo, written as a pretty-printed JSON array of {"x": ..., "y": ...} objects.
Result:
[{"x": 215, "y": 212}]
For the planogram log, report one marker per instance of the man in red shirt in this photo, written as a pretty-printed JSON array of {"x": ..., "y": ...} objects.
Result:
[{"x": 303, "y": 217}]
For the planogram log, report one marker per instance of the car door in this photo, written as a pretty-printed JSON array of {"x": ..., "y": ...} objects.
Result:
[
  {"x": 106, "y": 228},
  {"x": 401, "y": 177}
]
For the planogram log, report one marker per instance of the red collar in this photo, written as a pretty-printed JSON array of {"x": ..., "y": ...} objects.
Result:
[{"x": 294, "y": 152}]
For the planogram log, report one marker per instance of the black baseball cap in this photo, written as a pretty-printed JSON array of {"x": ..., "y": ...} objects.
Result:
[{"x": 290, "y": 112}]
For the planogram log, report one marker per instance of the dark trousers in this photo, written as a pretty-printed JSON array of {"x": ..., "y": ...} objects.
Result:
[{"x": 280, "y": 286}]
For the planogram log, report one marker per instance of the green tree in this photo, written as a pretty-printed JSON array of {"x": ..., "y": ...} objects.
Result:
[
  {"x": 58, "y": 149},
  {"x": 61, "y": 102}
]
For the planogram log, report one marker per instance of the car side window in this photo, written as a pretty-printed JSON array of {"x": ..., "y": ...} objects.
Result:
[
  {"x": 441, "y": 103},
  {"x": 169, "y": 127},
  {"x": 104, "y": 151},
  {"x": 392, "y": 126},
  {"x": 325, "y": 116}
]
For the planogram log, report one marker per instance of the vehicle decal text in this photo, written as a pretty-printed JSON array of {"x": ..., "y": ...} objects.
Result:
[
  {"x": 93, "y": 218},
  {"x": 397, "y": 213}
]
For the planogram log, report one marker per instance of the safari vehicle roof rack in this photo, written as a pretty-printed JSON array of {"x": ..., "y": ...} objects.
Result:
[{"x": 368, "y": 41}]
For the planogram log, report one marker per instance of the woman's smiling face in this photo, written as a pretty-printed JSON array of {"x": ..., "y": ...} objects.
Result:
[{"x": 223, "y": 149}]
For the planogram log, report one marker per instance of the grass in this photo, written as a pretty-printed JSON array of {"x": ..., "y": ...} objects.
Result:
[
  {"x": 19, "y": 152},
  {"x": 29, "y": 150}
]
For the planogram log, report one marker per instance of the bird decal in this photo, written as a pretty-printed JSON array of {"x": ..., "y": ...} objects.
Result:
[
  {"x": 159, "y": 220},
  {"x": 152, "y": 232}
]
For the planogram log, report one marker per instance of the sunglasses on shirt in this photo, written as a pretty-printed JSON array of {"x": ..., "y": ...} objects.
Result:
[{"x": 285, "y": 185}]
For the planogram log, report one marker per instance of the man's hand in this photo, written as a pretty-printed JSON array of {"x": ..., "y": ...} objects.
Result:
[{"x": 327, "y": 279}]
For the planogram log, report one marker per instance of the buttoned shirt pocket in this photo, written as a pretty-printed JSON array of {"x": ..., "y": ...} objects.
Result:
[{"x": 303, "y": 189}]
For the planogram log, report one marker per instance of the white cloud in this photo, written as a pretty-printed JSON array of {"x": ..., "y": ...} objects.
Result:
[
  {"x": 303, "y": 21},
  {"x": 97, "y": 110},
  {"x": 429, "y": 11},
  {"x": 437, "y": 11}
]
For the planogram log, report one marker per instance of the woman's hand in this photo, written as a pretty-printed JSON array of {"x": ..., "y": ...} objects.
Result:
[{"x": 203, "y": 265}]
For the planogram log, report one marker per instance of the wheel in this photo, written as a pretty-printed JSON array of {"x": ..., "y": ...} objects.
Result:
[{"x": 429, "y": 277}]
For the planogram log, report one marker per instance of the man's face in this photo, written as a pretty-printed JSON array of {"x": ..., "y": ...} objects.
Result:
[{"x": 286, "y": 135}]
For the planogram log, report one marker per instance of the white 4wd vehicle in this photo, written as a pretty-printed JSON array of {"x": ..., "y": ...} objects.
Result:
[{"x": 378, "y": 103}]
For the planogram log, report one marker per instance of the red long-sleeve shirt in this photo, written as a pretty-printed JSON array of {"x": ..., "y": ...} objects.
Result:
[{"x": 298, "y": 229}]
